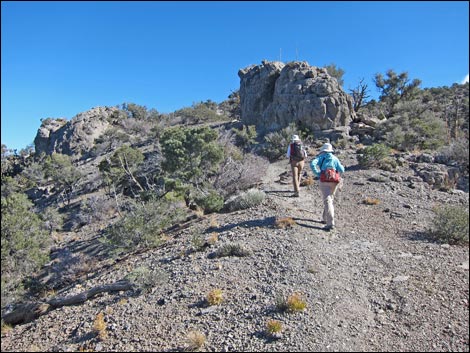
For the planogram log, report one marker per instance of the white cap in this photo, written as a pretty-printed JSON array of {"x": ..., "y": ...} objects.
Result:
[
  {"x": 295, "y": 138},
  {"x": 326, "y": 148}
]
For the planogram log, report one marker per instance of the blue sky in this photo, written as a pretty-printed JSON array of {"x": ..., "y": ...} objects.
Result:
[{"x": 61, "y": 58}]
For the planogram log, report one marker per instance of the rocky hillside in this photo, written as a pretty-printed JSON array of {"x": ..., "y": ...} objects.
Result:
[{"x": 377, "y": 283}]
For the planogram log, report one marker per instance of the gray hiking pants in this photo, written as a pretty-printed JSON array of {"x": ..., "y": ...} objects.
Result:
[{"x": 328, "y": 191}]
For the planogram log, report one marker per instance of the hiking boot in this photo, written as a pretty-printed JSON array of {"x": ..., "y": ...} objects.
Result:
[
  {"x": 328, "y": 228},
  {"x": 296, "y": 194}
]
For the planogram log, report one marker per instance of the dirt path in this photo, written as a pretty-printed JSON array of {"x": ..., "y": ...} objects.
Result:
[{"x": 377, "y": 283}]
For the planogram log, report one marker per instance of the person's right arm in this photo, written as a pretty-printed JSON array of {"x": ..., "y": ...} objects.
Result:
[{"x": 313, "y": 166}]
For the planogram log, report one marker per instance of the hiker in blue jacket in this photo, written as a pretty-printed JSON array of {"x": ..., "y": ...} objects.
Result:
[{"x": 328, "y": 167}]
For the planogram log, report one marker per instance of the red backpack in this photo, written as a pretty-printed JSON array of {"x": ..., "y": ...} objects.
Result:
[{"x": 330, "y": 175}]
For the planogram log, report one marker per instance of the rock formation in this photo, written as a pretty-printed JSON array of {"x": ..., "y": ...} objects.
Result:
[
  {"x": 73, "y": 137},
  {"x": 274, "y": 94}
]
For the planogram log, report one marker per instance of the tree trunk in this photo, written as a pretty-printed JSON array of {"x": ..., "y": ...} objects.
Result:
[{"x": 28, "y": 312}]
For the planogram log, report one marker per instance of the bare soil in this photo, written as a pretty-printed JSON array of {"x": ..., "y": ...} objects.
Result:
[{"x": 378, "y": 282}]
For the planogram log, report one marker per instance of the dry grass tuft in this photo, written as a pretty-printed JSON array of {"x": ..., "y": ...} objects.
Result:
[
  {"x": 283, "y": 223},
  {"x": 99, "y": 326},
  {"x": 307, "y": 181},
  {"x": 215, "y": 297},
  {"x": 195, "y": 340},
  {"x": 370, "y": 201},
  {"x": 273, "y": 327},
  {"x": 213, "y": 238}
]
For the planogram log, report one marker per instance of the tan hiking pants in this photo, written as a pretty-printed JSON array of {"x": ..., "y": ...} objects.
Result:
[
  {"x": 296, "y": 167},
  {"x": 328, "y": 191}
]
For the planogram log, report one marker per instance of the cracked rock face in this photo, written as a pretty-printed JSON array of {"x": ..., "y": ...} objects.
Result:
[
  {"x": 73, "y": 137},
  {"x": 274, "y": 94}
]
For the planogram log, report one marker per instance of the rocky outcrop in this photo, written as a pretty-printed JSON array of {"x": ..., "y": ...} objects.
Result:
[
  {"x": 274, "y": 94},
  {"x": 74, "y": 137}
]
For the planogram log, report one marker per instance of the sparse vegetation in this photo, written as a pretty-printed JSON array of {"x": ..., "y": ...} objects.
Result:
[
  {"x": 215, "y": 297},
  {"x": 370, "y": 201},
  {"x": 142, "y": 227},
  {"x": 99, "y": 326},
  {"x": 293, "y": 303},
  {"x": 153, "y": 185},
  {"x": 273, "y": 327},
  {"x": 145, "y": 279},
  {"x": 450, "y": 224},
  {"x": 285, "y": 222},
  {"x": 377, "y": 155},
  {"x": 250, "y": 198},
  {"x": 25, "y": 244},
  {"x": 232, "y": 249},
  {"x": 195, "y": 340}
]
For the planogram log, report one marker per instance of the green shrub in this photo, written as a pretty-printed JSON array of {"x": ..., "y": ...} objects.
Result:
[
  {"x": 450, "y": 224},
  {"x": 142, "y": 226},
  {"x": 210, "y": 201},
  {"x": 377, "y": 155},
  {"x": 276, "y": 142},
  {"x": 25, "y": 243},
  {"x": 231, "y": 249},
  {"x": 245, "y": 200},
  {"x": 246, "y": 137},
  {"x": 409, "y": 130},
  {"x": 144, "y": 279},
  {"x": 200, "y": 112}
]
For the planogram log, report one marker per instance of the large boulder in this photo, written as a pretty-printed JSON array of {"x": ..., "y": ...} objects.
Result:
[
  {"x": 74, "y": 137},
  {"x": 274, "y": 94}
]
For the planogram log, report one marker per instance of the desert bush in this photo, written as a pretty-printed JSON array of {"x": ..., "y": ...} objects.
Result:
[
  {"x": 34, "y": 175},
  {"x": 198, "y": 242},
  {"x": 239, "y": 172},
  {"x": 276, "y": 143},
  {"x": 232, "y": 249},
  {"x": 410, "y": 130},
  {"x": 450, "y": 224},
  {"x": 96, "y": 209},
  {"x": 245, "y": 137},
  {"x": 248, "y": 199},
  {"x": 142, "y": 225},
  {"x": 376, "y": 155},
  {"x": 191, "y": 155},
  {"x": 52, "y": 219},
  {"x": 457, "y": 151},
  {"x": 110, "y": 140},
  {"x": 120, "y": 168},
  {"x": 210, "y": 201},
  {"x": 144, "y": 279},
  {"x": 25, "y": 244},
  {"x": 200, "y": 112},
  {"x": 65, "y": 176}
]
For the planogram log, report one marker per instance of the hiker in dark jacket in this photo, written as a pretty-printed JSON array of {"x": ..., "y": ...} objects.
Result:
[
  {"x": 296, "y": 154},
  {"x": 322, "y": 164}
]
